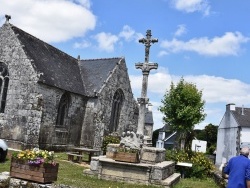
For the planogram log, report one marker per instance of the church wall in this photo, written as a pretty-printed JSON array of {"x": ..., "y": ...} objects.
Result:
[
  {"x": 57, "y": 137},
  {"x": 98, "y": 111},
  {"x": 89, "y": 124},
  {"x": 20, "y": 122},
  {"x": 119, "y": 79}
]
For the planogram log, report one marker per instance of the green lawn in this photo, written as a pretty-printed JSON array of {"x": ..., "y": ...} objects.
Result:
[
  {"x": 196, "y": 183},
  {"x": 72, "y": 174}
]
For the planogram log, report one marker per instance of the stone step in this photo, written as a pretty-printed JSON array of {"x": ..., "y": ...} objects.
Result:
[{"x": 171, "y": 180}]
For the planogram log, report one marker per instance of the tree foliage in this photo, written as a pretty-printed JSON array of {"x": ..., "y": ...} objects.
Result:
[
  {"x": 209, "y": 134},
  {"x": 183, "y": 108}
]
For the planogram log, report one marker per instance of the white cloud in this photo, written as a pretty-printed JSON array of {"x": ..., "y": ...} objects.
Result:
[
  {"x": 217, "y": 92},
  {"x": 50, "y": 20},
  {"x": 214, "y": 116},
  {"x": 218, "y": 89},
  {"x": 83, "y": 44},
  {"x": 156, "y": 81},
  {"x": 158, "y": 118},
  {"x": 228, "y": 44},
  {"x": 191, "y": 6},
  {"x": 129, "y": 34},
  {"x": 162, "y": 53},
  {"x": 106, "y": 41},
  {"x": 180, "y": 30}
]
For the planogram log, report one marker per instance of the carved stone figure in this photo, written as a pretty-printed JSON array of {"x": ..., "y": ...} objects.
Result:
[{"x": 131, "y": 140}]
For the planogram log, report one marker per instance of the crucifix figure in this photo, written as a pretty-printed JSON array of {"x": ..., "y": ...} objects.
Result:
[
  {"x": 8, "y": 17},
  {"x": 145, "y": 67}
]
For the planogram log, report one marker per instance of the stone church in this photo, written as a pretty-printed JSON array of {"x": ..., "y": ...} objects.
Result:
[{"x": 51, "y": 100}]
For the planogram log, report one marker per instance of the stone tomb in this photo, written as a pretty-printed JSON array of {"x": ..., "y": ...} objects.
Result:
[{"x": 152, "y": 171}]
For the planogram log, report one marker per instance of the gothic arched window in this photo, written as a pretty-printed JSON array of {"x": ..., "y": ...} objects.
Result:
[
  {"x": 116, "y": 110},
  {"x": 62, "y": 109},
  {"x": 4, "y": 82}
]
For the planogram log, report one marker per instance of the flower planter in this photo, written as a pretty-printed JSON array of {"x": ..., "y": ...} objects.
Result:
[
  {"x": 127, "y": 157},
  {"x": 44, "y": 173}
]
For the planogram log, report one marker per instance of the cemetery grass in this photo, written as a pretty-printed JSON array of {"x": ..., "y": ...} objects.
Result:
[{"x": 72, "y": 174}]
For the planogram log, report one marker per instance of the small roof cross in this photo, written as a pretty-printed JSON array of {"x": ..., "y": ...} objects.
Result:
[{"x": 8, "y": 17}]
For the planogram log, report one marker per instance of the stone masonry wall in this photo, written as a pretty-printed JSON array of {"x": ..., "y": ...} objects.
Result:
[
  {"x": 58, "y": 137},
  {"x": 20, "y": 122},
  {"x": 88, "y": 126},
  {"x": 119, "y": 79},
  {"x": 31, "y": 108},
  {"x": 98, "y": 111}
]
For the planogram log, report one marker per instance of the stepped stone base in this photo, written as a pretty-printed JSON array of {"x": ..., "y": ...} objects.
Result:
[
  {"x": 161, "y": 174},
  {"x": 152, "y": 155}
]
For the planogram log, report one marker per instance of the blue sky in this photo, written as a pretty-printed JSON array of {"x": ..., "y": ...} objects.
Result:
[{"x": 205, "y": 41}]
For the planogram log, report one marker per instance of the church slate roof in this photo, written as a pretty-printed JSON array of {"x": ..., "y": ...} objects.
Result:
[
  {"x": 95, "y": 73},
  {"x": 165, "y": 128},
  {"x": 56, "y": 67},
  {"x": 59, "y": 69},
  {"x": 242, "y": 116}
]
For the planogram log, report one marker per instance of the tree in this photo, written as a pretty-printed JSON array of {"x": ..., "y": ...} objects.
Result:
[
  {"x": 183, "y": 108},
  {"x": 209, "y": 134}
]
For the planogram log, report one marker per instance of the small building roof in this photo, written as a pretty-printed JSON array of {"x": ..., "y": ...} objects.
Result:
[
  {"x": 242, "y": 116},
  {"x": 166, "y": 128}
]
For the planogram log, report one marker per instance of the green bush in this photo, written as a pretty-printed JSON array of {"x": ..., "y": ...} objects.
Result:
[
  {"x": 109, "y": 140},
  {"x": 202, "y": 167},
  {"x": 211, "y": 149}
]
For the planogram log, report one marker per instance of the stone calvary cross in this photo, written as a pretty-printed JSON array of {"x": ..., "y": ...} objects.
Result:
[{"x": 145, "y": 67}]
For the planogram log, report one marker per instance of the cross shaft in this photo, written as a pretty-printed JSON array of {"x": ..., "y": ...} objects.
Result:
[{"x": 145, "y": 67}]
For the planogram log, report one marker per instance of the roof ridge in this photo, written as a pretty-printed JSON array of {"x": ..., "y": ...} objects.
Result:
[
  {"x": 102, "y": 58},
  {"x": 241, "y": 107}
]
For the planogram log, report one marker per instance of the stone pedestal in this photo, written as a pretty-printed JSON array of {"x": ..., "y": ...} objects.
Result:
[
  {"x": 147, "y": 141},
  {"x": 138, "y": 173},
  {"x": 152, "y": 155}
]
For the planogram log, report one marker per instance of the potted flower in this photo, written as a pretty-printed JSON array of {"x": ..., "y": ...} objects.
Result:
[{"x": 34, "y": 165}]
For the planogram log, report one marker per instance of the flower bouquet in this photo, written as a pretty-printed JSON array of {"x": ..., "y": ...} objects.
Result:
[{"x": 35, "y": 156}]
